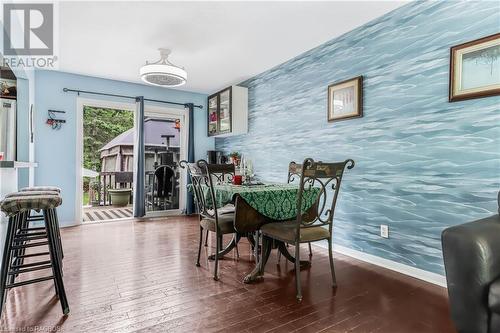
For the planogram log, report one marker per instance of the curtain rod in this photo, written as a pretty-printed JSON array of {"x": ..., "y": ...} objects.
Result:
[{"x": 130, "y": 97}]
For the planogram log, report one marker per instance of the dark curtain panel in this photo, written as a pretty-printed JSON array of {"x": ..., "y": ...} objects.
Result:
[
  {"x": 189, "y": 202},
  {"x": 139, "y": 206}
]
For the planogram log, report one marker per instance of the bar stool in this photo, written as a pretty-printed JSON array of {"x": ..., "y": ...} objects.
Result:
[
  {"x": 19, "y": 237},
  {"x": 25, "y": 227}
]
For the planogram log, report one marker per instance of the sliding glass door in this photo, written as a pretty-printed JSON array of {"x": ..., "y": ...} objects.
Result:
[
  {"x": 107, "y": 164},
  {"x": 164, "y": 148}
]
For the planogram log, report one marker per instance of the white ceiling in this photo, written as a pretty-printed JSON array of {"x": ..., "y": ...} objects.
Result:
[{"x": 218, "y": 43}]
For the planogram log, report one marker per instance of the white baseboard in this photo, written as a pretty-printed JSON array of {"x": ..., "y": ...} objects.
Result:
[{"x": 418, "y": 273}]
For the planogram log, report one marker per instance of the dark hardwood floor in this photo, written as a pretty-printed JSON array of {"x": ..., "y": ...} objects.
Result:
[{"x": 140, "y": 276}]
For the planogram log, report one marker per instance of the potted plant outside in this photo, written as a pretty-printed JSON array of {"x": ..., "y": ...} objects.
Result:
[
  {"x": 120, "y": 197},
  {"x": 94, "y": 190}
]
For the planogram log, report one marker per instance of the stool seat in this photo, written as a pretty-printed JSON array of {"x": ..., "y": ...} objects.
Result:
[
  {"x": 41, "y": 188},
  {"x": 29, "y": 193},
  {"x": 36, "y": 218},
  {"x": 17, "y": 204}
]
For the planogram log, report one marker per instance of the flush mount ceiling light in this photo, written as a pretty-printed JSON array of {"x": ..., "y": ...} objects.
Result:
[{"x": 163, "y": 73}]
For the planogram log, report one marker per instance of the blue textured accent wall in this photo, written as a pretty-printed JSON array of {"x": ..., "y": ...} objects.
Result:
[{"x": 422, "y": 164}]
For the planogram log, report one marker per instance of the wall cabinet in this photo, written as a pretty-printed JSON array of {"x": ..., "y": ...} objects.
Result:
[{"x": 228, "y": 112}]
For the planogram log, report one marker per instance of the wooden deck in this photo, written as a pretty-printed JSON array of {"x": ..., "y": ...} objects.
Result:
[
  {"x": 104, "y": 213},
  {"x": 140, "y": 277}
]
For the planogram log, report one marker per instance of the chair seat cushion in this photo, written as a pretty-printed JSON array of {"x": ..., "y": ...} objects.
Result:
[
  {"x": 17, "y": 204},
  {"x": 494, "y": 296},
  {"x": 286, "y": 231},
  {"x": 226, "y": 223},
  {"x": 227, "y": 209}
]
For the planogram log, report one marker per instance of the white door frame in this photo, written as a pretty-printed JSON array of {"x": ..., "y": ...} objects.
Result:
[{"x": 151, "y": 110}]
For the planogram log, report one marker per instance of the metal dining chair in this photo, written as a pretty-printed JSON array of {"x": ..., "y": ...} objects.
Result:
[
  {"x": 316, "y": 223},
  {"x": 294, "y": 173},
  {"x": 211, "y": 218},
  {"x": 222, "y": 173}
]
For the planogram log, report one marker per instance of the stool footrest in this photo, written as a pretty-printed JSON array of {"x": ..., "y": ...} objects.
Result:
[
  {"x": 23, "y": 246},
  {"x": 35, "y": 228},
  {"x": 23, "y": 283},
  {"x": 26, "y": 233},
  {"x": 29, "y": 237},
  {"x": 33, "y": 255},
  {"x": 36, "y": 218},
  {"x": 31, "y": 264},
  {"x": 31, "y": 269}
]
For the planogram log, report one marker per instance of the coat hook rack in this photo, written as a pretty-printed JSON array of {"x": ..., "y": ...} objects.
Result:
[{"x": 53, "y": 121}]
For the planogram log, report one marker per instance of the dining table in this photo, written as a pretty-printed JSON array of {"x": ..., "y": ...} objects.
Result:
[{"x": 257, "y": 204}]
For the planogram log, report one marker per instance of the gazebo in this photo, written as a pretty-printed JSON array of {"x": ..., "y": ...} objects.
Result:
[
  {"x": 162, "y": 147},
  {"x": 117, "y": 155}
]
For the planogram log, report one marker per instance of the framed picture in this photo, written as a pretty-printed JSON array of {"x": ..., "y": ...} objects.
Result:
[
  {"x": 345, "y": 99},
  {"x": 475, "y": 69}
]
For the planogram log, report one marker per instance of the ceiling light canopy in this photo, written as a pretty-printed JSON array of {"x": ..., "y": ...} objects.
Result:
[{"x": 163, "y": 73}]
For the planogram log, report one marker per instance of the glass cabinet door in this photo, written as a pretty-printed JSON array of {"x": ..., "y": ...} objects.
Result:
[
  {"x": 225, "y": 111},
  {"x": 212, "y": 116}
]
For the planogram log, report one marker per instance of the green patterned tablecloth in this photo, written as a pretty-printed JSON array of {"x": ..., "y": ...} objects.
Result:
[{"x": 275, "y": 201}]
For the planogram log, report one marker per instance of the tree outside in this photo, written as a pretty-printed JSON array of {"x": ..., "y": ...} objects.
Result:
[{"x": 101, "y": 125}]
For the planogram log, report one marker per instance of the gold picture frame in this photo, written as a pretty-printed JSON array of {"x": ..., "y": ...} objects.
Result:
[
  {"x": 475, "y": 69},
  {"x": 345, "y": 99}
]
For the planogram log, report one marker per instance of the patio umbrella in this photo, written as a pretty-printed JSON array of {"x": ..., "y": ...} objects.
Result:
[{"x": 89, "y": 173}]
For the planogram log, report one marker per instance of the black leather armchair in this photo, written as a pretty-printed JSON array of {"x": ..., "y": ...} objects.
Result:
[{"x": 471, "y": 254}]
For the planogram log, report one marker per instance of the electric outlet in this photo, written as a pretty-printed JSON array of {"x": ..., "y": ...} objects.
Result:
[{"x": 384, "y": 231}]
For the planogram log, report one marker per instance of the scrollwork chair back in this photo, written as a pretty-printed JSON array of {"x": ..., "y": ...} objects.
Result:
[
  {"x": 327, "y": 177},
  {"x": 221, "y": 173},
  {"x": 202, "y": 182}
]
